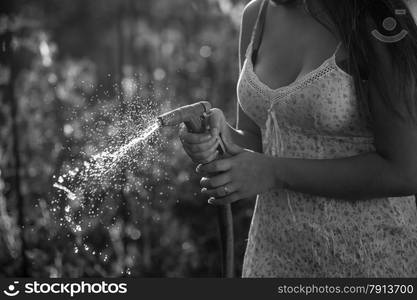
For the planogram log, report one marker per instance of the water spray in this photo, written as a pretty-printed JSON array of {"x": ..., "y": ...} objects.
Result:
[{"x": 194, "y": 118}]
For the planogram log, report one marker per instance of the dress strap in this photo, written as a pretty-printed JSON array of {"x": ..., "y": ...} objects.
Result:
[
  {"x": 258, "y": 29},
  {"x": 337, "y": 50}
]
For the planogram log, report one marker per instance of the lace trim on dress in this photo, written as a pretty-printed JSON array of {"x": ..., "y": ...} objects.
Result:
[{"x": 324, "y": 69}]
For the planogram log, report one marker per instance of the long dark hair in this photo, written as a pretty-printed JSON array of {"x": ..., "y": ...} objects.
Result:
[{"x": 353, "y": 20}]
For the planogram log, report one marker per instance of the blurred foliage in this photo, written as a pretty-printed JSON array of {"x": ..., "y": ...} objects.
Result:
[{"x": 74, "y": 65}]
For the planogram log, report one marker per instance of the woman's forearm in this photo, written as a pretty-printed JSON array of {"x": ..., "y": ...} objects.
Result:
[{"x": 359, "y": 177}]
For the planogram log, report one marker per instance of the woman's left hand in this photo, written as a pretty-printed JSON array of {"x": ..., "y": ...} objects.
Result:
[{"x": 243, "y": 175}]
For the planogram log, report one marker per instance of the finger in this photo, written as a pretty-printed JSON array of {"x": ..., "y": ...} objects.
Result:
[
  {"x": 193, "y": 157},
  {"x": 210, "y": 158},
  {"x": 216, "y": 181},
  {"x": 190, "y": 154},
  {"x": 206, "y": 157},
  {"x": 202, "y": 147},
  {"x": 221, "y": 165},
  {"x": 225, "y": 200},
  {"x": 203, "y": 156},
  {"x": 221, "y": 191},
  {"x": 202, "y": 159},
  {"x": 193, "y": 138}
]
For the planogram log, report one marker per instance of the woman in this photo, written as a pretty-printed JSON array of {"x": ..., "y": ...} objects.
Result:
[{"x": 326, "y": 137}]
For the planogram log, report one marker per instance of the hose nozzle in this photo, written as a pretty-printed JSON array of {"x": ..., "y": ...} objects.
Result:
[{"x": 192, "y": 115}]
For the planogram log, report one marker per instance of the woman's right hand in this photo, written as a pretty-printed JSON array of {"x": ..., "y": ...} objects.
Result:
[{"x": 202, "y": 147}]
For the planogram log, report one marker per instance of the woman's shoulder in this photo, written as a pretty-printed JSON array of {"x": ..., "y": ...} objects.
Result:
[
  {"x": 249, "y": 17},
  {"x": 250, "y": 13}
]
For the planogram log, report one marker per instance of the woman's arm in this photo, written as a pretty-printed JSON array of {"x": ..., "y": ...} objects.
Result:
[
  {"x": 360, "y": 177},
  {"x": 390, "y": 171},
  {"x": 247, "y": 134}
]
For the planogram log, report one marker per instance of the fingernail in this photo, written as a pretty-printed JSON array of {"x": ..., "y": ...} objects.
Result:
[
  {"x": 203, "y": 190},
  {"x": 210, "y": 201},
  {"x": 198, "y": 169}
]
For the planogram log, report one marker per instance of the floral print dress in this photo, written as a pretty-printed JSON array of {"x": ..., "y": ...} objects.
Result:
[{"x": 294, "y": 234}]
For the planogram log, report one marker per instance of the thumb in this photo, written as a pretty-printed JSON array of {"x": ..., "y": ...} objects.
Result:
[
  {"x": 230, "y": 146},
  {"x": 219, "y": 127},
  {"x": 216, "y": 121}
]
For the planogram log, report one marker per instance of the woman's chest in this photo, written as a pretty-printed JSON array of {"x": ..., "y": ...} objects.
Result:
[{"x": 320, "y": 104}]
